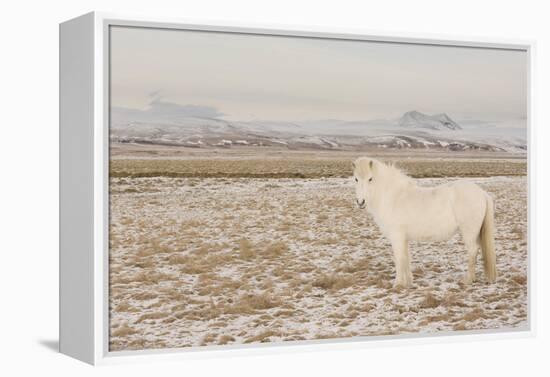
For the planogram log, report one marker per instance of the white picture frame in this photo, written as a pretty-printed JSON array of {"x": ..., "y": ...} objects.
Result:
[{"x": 84, "y": 162}]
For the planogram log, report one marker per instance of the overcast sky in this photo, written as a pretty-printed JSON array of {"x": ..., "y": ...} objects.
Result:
[{"x": 247, "y": 77}]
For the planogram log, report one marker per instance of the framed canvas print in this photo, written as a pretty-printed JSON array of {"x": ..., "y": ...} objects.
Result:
[{"x": 232, "y": 189}]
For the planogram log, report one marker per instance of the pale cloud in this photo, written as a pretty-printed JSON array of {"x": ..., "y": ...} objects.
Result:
[{"x": 289, "y": 78}]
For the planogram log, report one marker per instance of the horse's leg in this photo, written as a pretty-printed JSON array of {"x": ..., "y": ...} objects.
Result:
[
  {"x": 403, "y": 277},
  {"x": 408, "y": 265},
  {"x": 472, "y": 248},
  {"x": 469, "y": 216}
]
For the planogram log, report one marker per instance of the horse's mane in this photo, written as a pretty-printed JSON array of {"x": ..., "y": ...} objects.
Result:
[
  {"x": 393, "y": 173},
  {"x": 387, "y": 171}
]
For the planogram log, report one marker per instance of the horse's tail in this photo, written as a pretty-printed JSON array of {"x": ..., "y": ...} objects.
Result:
[{"x": 487, "y": 235}]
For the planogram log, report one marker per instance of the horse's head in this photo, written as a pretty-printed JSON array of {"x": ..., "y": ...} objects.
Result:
[{"x": 364, "y": 170}]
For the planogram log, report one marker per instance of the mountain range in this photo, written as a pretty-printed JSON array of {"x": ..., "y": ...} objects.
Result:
[{"x": 201, "y": 128}]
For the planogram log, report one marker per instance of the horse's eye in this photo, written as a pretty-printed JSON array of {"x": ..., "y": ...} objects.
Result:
[
  {"x": 370, "y": 179},
  {"x": 356, "y": 180}
]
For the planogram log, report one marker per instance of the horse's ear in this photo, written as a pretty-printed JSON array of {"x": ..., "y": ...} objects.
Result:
[{"x": 372, "y": 166}]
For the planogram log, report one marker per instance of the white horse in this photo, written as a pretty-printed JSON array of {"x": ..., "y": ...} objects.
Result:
[{"x": 407, "y": 212}]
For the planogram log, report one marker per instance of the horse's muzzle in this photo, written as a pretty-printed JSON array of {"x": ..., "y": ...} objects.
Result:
[{"x": 361, "y": 203}]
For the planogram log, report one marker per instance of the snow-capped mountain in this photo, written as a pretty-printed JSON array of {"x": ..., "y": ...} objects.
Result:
[{"x": 415, "y": 119}]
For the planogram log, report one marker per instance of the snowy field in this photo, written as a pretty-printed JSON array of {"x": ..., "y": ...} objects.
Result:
[{"x": 209, "y": 261}]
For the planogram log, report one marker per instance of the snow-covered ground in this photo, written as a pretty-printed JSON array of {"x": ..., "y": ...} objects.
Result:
[{"x": 225, "y": 261}]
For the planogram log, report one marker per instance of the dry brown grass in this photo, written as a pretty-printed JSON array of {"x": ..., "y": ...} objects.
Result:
[
  {"x": 259, "y": 301},
  {"x": 322, "y": 218},
  {"x": 262, "y": 337},
  {"x": 459, "y": 326},
  {"x": 209, "y": 338},
  {"x": 303, "y": 168},
  {"x": 360, "y": 265},
  {"x": 224, "y": 339},
  {"x": 247, "y": 304},
  {"x": 327, "y": 336},
  {"x": 152, "y": 278},
  {"x": 519, "y": 279},
  {"x": 517, "y": 233},
  {"x": 144, "y": 263},
  {"x": 123, "y": 331},
  {"x": 452, "y": 299},
  {"x": 246, "y": 249},
  {"x": 474, "y": 314},
  {"x": 285, "y": 313},
  {"x": 430, "y": 302},
  {"x": 144, "y": 296},
  {"x": 176, "y": 259},
  {"x": 125, "y": 307},
  {"x": 333, "y": 282},
  {"x": 275, "y": 249},
  {"x": 154, "y": 315}
]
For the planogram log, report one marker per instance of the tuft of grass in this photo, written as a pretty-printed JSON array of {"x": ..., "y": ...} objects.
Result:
[
  {"x": 224, "y": 339},
  {"x": 418, "y": 272},
  {"x": 208, "y": 338},
  {"x": 125, "y": 307},
  {"x": 152, "y": 278},
  {"x": 322, "y": 218},
  {"x": 123, "y": 330},
  {"x": 333, "y": 282},
  {"x": 474, "y": 314},
  {"x": 177, "y": 259},
  {"x": 262, "y": 337},
  {"x": 276, "y": 249},
  {"x": 517, "y": 233},
  {"x": 327, "y": 336},
  {"x": 503, "y": 306},
  {"x": 459, "y": 327},
  {"x": 285, "y": 313},
  {"x": 452, "y": 299},
  {"x": 360, "y": 265},
  {"x": 382, "y": 284},
  {"x": 154, "y": 315},
  {"x": 144, "y": 263},
  {"x": 144, "y": 296},
  {"x": 250, "y": 303},
  {"x": 260, "y": 301},
  {"x": 246, "y": 250},
  {"x": 430, "y": 302},
  {"x": 194, "y": 267},
  {"x": 519, "y": 279}
]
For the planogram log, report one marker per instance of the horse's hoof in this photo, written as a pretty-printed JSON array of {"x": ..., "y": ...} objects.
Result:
[
  {"x": 468, "y": 279},
  {"x": 402, "y": 285}
]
